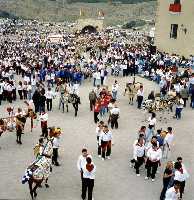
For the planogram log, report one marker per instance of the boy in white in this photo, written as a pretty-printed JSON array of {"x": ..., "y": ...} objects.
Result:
[{"x": 173, "y": 192}]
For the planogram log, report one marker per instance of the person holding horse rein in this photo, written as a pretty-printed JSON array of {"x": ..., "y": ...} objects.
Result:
[
  {"x": 75, "y": 103},
  {"x": 19, "y": 128},
  {"x": 30, "y": 112}
]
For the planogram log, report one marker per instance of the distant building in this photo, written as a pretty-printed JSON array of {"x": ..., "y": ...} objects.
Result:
[{"x": 175, "y": 27}]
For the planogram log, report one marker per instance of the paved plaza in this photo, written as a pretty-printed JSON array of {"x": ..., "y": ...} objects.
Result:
[{"x": 115, "y": 180}]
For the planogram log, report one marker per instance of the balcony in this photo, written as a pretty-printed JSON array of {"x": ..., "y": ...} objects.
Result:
[{"x": 175, "y": 8}]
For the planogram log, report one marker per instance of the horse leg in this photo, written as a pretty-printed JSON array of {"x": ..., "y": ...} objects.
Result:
[
  {"x": 35, "y": 187},
  {"x": 46, "y": 183},
  {"x": 30, "y": 182}
]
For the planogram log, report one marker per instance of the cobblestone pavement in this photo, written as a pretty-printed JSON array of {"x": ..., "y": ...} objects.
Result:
[{"x": 115, "y": 180}]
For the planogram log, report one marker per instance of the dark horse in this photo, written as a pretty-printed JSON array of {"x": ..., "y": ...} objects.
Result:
[{"x": 75, "y": 100}]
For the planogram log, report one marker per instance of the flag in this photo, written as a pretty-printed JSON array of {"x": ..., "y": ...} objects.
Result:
[{"x": 175, "y": 8}]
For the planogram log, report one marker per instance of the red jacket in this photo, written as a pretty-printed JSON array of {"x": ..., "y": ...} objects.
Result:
[{"x": 97, "y": 107}]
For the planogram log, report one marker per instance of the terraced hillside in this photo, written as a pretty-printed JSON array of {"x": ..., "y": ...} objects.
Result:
[{"x": 60, "y": 10}]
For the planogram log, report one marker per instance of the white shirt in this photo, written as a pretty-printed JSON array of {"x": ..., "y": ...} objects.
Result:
[
  {"x": 115, "y": 87},
  {"x": 171, "y": 194},
  {"x": 138, "y": 151},
  {"x": 140, "y": 93},
  {"x": 154, "y": 155},
  {"x": 152, "y": 121},
  {"x": 181, "y": 176},
  {"x": 29, "y": 88},
  {"x": 49, "y": 95},
  {"x": 115, "y": 111},
  {"x": 81, "y": 162},
  {"x": 169, "y": 138},
  {"x": 56, "y": 142},
  {"x": 181, "y": 103},
  {"x": 1, "y": 88},
  {"x": 33, "y": 82},
  {"x": 44, "y": 117},
  {"x": 105, "y": 136},
  {"x": 98, "y": 131},
  {"x": 87, "y": 174}
]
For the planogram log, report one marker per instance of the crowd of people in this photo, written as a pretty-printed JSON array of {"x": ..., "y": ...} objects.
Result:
[{"x": 40, "y": 72}]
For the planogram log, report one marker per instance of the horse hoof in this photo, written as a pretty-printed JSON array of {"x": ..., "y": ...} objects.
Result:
[
  {"x": 47, "y": 185},
  {"x": 35, "y": 194},
  {"x": 31, "y": 193}
]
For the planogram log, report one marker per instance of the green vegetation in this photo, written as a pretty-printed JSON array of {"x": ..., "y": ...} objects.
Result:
[{"x": 134, "y": 24}]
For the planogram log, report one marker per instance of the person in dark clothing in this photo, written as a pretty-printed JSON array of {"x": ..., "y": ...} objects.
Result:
[
  {"x": 168, "y": 174},
  {"x": 36, "y": 100},
  {"x": 92, "y": 99},
  {"x": 151, "y": 96},
  {"x": 19, "y": 129},
  {"x": 42, "y": 102},
  {"x": 75, "y": 103}
]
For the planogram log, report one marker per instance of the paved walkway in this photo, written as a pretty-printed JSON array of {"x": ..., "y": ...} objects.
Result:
[{"x": 115, "y": 180}]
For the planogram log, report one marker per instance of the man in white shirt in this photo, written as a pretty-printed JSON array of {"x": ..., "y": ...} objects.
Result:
[
  {"x": 115, "y": 90},
  {"x": 154, "y": 156},
  {"x": 140, "y": 94},
  {"x": 168, "y": 142},
  {"x": 173, "y": 192},
  {"x": 81, "y": 162},
  {"x": 89, "y": 171},
  {"x": 49, "y": 96},
  {"x": 179, "y": 107}
]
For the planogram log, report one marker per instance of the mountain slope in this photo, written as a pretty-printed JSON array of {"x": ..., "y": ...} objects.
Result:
[{"x": 61, "y": 10}]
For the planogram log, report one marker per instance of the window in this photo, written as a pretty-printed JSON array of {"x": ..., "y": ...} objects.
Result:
[
  {"x": 173, "y": 31},
  {"x": 177, "y": 1}
]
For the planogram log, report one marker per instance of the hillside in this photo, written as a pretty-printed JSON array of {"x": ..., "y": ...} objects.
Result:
[{"x": 61, "y": 10}]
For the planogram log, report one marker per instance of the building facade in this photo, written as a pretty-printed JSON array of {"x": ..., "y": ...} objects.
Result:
[{"x": 175, "y": 27}]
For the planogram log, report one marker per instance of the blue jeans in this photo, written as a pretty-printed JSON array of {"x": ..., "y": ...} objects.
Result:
[
  {"x": 102, "y": 111},
  {"x": 178, "y": 113},
  {"x": 114, "y": 95},
  {"x": 149, "y": 134}
]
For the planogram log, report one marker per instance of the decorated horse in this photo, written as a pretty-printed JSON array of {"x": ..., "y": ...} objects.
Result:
[{"x": 39, "y": 170}]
